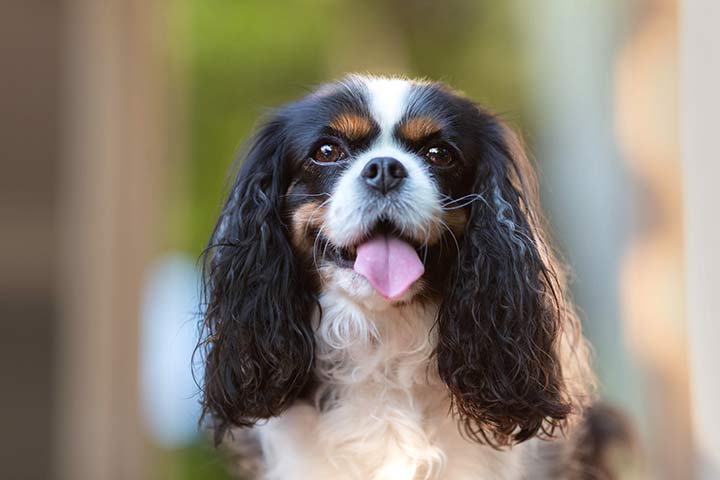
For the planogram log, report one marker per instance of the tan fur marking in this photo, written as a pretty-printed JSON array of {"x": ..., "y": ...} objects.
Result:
[
  {"x": 454, "y": 220},
  {"x": 417, "y": 128},
  {"x": 305, "y": 219},
  {"x": 352, "y": 125}
]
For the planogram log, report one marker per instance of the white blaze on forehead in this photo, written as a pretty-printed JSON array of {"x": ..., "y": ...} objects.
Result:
[
  {"x": 388, "y": 100},
  {"x": 415, "y": 207}
]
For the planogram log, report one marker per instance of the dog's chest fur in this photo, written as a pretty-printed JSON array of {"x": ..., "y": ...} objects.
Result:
[{"x": 383, "y": 411}]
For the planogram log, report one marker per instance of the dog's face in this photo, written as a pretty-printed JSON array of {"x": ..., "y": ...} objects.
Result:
[
  {"x": 381, "y": 175},
  {"x": 392, "y": 191}
]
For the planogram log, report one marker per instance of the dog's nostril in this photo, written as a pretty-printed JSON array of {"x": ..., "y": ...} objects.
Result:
[
  {"x": 384, "y": 173},
  {"x": 371, "y": 170},
  {"x": 396, "y": 169}
]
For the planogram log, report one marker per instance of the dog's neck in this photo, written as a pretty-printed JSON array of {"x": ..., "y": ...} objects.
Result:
[
  {"x": 359, "y": 343},
  {"x": 379, "y": 381}
]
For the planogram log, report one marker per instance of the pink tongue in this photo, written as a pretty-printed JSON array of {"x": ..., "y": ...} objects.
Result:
[{"x": 389, "y": 264}]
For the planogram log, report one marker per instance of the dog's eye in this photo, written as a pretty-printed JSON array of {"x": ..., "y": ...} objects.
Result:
[
  {"x": 439, "y": 155},
  {"x": 328, "y": 153}
]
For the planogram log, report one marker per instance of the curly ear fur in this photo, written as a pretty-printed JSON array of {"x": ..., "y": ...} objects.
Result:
[
  {"x": 256, "y": 335},
  {"x": 503, "y": 323}
]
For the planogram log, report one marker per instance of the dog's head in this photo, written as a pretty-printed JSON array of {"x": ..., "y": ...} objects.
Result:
[{"x": 391, "y": 191}]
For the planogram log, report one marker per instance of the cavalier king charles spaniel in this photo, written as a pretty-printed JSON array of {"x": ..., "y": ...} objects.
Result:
[{"x": 382, "y": 301}]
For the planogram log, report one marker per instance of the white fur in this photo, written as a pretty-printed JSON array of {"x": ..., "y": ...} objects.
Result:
[
  {"x": 388, "y": 98},
  {"x": 415, "y": 208},
  {"x": 388, "y": 414}
]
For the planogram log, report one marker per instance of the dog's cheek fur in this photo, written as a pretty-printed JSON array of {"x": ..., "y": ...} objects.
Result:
[
  {"x": 306, "y": 222},
  {"x": 256, "y": 337},
  {"x": 503, "y": 312}
]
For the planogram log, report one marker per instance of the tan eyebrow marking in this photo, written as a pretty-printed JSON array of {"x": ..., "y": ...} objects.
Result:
[
  {"x": 417, "y": 128},
  {"x": 352, "y": 125}
]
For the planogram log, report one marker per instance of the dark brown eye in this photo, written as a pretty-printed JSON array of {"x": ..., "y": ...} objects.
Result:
[
  {"x": 328, "y": 153},
  {"x": 439, "y": 156}
]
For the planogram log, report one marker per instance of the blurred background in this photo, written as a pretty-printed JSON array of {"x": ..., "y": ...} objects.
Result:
[{"x": 119, "y": 123}]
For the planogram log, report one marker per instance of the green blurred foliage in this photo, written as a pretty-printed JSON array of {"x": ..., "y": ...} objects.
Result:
[{"x": 198, "y": 461}]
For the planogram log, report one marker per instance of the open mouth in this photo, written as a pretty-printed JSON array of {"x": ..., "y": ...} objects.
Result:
[
  {"x": 345, "y": 256},
  {"x": 388, "y": 261}
]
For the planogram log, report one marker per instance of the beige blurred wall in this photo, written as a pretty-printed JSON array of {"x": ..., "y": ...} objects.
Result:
[{"x": 700, "y": 95}]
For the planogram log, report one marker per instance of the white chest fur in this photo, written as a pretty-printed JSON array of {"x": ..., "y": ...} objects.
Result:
[{"x": 385, "y": 412}]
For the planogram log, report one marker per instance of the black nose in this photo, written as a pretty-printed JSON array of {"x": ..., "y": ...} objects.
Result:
[{"x": 384, "y": 174}]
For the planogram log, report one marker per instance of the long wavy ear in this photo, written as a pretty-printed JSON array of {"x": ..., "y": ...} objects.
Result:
[
  {"x": 256, "y": 337},
  {"x": 503, "y": 323}
]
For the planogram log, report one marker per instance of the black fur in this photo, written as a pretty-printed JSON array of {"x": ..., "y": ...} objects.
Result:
[{"x": 257, "y": 339}]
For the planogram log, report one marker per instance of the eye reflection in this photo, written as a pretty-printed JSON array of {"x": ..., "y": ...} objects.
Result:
[
  {"x": 439, "y": 155},
  {"x": 329, "y": 153}
]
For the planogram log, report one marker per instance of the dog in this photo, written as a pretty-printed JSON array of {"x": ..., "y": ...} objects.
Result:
[{"x": 382, "y": 301}]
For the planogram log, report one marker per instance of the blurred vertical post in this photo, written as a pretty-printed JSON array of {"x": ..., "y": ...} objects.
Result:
[
  {"x": 29, "y": 93},
  {"x": 700, "y": 106},
  {"x": 108, "y": 194},
  {"x": 651, "y": 280}
]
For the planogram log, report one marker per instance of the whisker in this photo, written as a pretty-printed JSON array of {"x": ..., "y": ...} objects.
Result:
[
  {"x": 450, "y": 200},
  {"x": 324, "y": 252},
  {"x": 308, "y": 222},
  {"x": 425, "y": 249},
  {"x": 306, "y": 195},
  {"x": 473, "y": 197},
  {"x": 424, "y": 246},
  {"x": 314, "y": 250},
  {"x": 457, "y": 244}
]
